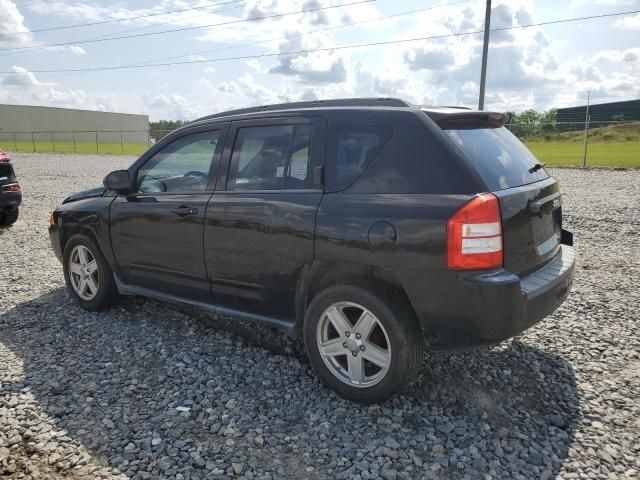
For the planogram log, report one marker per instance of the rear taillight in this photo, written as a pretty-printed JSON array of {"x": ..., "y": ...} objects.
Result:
[
  {"x": 474, "y": 235},
  {"x": 12, "y": 187}
]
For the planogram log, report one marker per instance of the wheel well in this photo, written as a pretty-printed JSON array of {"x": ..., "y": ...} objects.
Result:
[
  {"x": 317, "y": 276},
  {"x": 69, "y": 232}
]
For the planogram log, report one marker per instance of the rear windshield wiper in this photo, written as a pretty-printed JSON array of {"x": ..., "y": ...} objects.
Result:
[{"x": 537, "y": 167}]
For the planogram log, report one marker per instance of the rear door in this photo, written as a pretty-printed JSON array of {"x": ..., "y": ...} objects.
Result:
[
  {"x": 156, "y": 232},
  {"x": 259, "y": 225},
  {"x": 530, "y": 200}
]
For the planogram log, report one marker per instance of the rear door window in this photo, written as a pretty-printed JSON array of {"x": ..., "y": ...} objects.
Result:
[
  {"x": 498, "y": 156},
  {"x": 351, "y": 150},
  {"x": 272, "y": 157}
]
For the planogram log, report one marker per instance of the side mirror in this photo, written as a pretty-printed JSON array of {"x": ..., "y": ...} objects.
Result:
[{"x": 118, "y": 181}]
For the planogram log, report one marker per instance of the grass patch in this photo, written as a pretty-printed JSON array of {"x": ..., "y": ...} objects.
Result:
[
  {"x": 68, "y": 147},
  {"x": 629, "y": 132},
  {"x": 601, "y": 154},
  {"x": 610, "y": 146}
]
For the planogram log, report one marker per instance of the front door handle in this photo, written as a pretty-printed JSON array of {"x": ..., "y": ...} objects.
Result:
[{"x": 184, "y": 211}]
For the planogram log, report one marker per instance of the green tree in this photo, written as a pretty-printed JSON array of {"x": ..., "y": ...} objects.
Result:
[
  {"x": 548, "y": 120},
  {"x": 528, "y": 123},
  {"x": 162, "y": 127}
]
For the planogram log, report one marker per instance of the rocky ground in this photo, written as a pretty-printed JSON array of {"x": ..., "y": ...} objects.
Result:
[{"x": 149, "y": 391}]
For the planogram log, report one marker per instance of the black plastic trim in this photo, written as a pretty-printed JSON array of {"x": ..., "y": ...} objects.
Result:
[{"x": 287, "y": 326}]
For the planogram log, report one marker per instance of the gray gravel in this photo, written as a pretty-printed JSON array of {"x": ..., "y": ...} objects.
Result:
[{"x": 146, "y": 390}]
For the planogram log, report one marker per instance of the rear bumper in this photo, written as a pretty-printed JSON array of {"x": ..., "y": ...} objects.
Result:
[{"x": 490, "y": 306}]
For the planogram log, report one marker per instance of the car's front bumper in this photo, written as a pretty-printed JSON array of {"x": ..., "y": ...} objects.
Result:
[
  {"x": 465, "y": 308},
  {"x": 54, "y": 236}
]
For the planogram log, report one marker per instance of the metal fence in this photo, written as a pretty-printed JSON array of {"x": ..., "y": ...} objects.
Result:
[
  {"x": 580, "y": 143},
  {"x": 77, "y": 141}
]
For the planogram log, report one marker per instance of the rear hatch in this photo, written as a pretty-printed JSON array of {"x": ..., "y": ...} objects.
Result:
[{"x": 530, "y": 201}]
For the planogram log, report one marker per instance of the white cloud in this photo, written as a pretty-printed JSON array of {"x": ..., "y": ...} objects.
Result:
[
  {"x": 11, "y": 22},
  {"x": 173, "y": 106},
  {"x": 431, "y": 56},
  {"x": 605, "y": 2},
  {"x": 77, "y": 50},
  {"x": 632, "y": 22},
  {"x": 631, "y": 55},
  {"x": 20, "y": 77},
  {"x": 23, "y": 87}
]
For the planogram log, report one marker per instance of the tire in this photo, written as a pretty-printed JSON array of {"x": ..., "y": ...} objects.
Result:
[
  {"x": 91, "y": 282},
  {"x": 395, "y": 340},
  {"x": 9, "y": 218}
]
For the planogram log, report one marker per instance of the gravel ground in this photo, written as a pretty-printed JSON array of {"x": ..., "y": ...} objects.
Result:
[{"x": 146, "y": 390}]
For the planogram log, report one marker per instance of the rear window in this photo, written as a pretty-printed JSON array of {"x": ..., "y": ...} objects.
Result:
[
  {"x": 499, "y": 157},
  {"x": 351, "y": 149}
]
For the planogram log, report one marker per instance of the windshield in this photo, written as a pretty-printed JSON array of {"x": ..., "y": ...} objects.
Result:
[{"x": 499, "y": 157}]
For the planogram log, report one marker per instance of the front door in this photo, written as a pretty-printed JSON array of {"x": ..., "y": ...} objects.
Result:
[
  {"x": 259, "y": 225},
  {"x": 156, "y": 232}
]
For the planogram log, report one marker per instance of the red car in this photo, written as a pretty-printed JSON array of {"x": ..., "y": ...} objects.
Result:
[{"x": 10, "y": 194}]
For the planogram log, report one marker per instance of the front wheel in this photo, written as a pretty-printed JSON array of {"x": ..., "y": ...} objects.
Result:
[
  {"x": 87, "y": 274},
  {"x": 362, "y": 344}
]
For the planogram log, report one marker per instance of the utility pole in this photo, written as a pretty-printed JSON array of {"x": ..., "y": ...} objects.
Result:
[
  {"x": 485, "y": 52},
  {"x": 586, "y": 132}
]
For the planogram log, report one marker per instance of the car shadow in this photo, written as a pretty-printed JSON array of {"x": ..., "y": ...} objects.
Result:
[{"x": 112, "y": 381}]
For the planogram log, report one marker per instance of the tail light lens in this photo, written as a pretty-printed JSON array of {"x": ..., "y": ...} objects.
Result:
[
  {"x": 12, "y": 187},
  {"x": 474, "y": 235}
]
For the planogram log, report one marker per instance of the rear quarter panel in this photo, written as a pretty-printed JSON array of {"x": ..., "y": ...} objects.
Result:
[{"x": 414, "y": 228}]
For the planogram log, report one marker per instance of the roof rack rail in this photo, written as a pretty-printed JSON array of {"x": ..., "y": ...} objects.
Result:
[
  {"x": 345, "y": 102},
  {"x": 458, "y": 107}
]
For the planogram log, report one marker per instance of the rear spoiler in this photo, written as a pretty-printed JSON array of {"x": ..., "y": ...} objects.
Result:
[{"x": 451, "y": 119}]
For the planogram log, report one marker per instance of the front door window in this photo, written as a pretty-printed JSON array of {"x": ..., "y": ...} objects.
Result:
[{"x": 182, "y": 166}]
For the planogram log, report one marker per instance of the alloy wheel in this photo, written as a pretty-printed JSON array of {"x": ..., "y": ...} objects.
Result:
[
  {"x": 353, "y": 344},
  {"x": 83, "y": 272}
]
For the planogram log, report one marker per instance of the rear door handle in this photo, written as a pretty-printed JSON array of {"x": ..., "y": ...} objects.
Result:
[{"x": 184, "y": 211}]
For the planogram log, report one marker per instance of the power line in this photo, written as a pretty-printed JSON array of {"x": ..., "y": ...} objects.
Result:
[
  {"x": 117, "y": 20},
  {"x": 326, "y": 49},
  {"x": 147, "y": 27},
  {"x": 293, "y": 35},
  {"x": 253, "y": 19}
]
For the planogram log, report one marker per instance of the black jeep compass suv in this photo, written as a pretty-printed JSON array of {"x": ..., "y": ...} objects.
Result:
[{"x": 369, "y": 227}]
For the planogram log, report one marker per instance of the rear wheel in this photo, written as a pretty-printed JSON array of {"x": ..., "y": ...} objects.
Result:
[
  {"x": 9, "y": 218},
  {"x": 87, "y": 273},
  {"x": 362, "y": 344}
]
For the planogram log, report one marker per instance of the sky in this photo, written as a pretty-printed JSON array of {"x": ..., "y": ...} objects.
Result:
[{"x": 239, "y": 58}]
